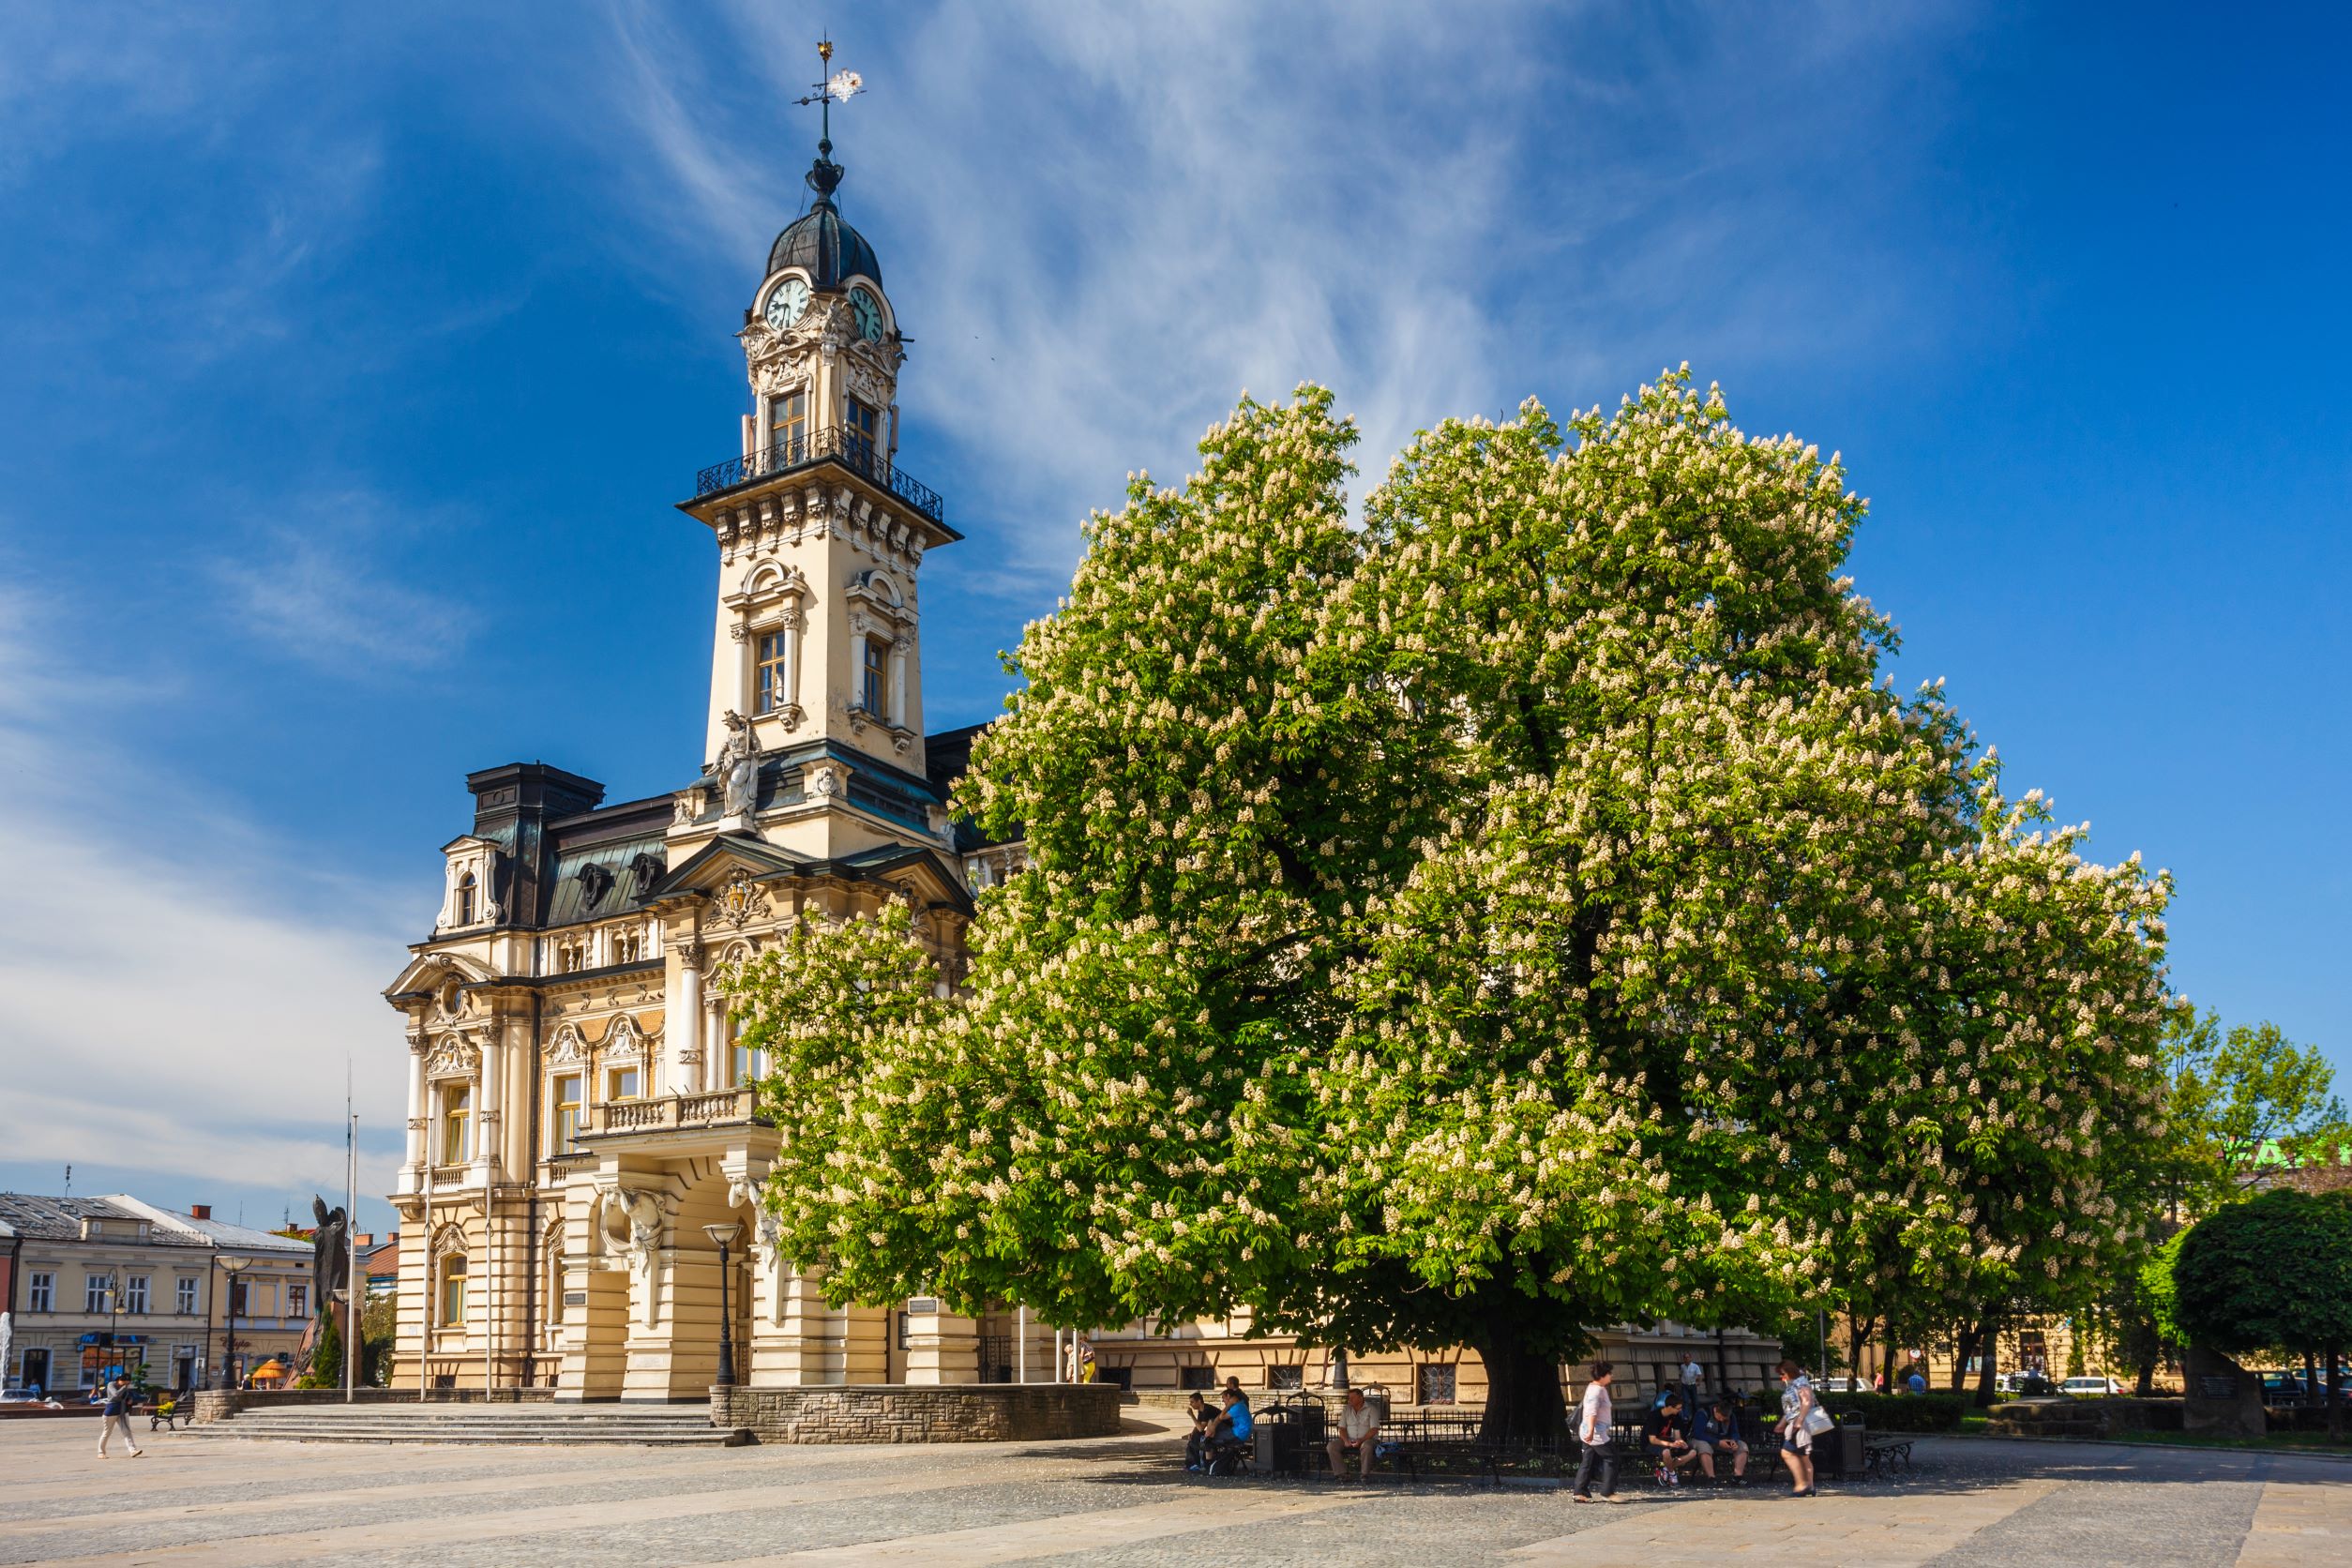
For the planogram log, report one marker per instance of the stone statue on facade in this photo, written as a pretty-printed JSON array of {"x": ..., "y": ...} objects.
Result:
[{"x": 737, "y": 768}]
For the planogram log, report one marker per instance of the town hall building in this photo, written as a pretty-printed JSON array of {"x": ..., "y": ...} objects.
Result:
[{"x": 578, "y": 1109}]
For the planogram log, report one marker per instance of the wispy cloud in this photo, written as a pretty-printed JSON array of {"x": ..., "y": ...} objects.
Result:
[
  {"x": 1104, "y": 222},
  {"x": 181, "y": 996},
  {"x": 315, "y": 585}
]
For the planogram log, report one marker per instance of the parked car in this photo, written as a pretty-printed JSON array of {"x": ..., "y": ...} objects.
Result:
[
  {"x": 2281, "y": 1388},
  {"x": 2090, "y": 1385},
  {"x": 1841, "y": 1385}
]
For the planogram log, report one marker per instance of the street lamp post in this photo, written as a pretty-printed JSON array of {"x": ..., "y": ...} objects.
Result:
[
  {"x": 113, "y": 1325},
  {"x": 724, "y": 1236},
  {"x": 233, "y": 1267}
]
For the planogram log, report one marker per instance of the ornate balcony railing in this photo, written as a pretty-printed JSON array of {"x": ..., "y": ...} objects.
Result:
[
  {"x": 852, "y": 448},
  {"x": 717, "y": 1107}
]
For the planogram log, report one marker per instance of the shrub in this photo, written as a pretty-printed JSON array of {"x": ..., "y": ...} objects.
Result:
[{"x": 1900, "y": 1412}]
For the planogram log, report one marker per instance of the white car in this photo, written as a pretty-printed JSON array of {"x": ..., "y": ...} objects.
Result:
[{"x": 2090, "y": 1385}]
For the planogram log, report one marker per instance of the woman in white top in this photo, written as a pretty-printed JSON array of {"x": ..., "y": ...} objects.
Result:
[{"x": 1796, "y": 1402}]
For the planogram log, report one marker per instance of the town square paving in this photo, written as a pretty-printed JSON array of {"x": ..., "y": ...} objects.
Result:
[{"x": 1973, "y": 1503}]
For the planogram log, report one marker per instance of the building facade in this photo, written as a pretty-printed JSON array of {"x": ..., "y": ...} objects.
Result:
[
  {"x": 579, "y": 1115},
  {"x": 112, "y": 1285}
]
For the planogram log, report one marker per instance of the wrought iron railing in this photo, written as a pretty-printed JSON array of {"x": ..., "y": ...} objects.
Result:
[{"x": 852, "y": 448}]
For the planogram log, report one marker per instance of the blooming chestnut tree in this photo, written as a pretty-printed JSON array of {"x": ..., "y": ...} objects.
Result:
[{"x": 1525, "y": 911}]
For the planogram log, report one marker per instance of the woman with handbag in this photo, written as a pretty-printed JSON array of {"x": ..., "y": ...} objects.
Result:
[{"x": 1801, "y": 1419}]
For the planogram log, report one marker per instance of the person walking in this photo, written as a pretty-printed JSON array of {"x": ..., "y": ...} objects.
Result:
[
  {"x": 1694, "y": 1378},
  {"x": 1797, "y": 1404},
  {"x": 1593, "y": 1431},
  {"x": 116, "y": 1418}
]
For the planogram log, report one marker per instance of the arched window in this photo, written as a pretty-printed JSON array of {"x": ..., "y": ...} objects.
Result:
[
  {"x": 465, "y": 900},
  {"x": 453, "y": 1292}
]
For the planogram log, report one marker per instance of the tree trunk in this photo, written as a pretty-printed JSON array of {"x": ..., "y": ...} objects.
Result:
[
  {"x": 1524, "y": 1404},
  {"x": 2147, "y": 1383},
  {"x": 1987, "y": 1369},
  {"x": 1966, "y": 1341},
  {"x": 2311, "y": 1375},
  {"x": 2335, "y": 1393}
]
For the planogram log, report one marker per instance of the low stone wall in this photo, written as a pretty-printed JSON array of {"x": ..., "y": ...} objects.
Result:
[
  {"x": 909, "y": 1413},
  {"x": 219, "y": 1404},
  {"x": 2062, "y": 1417}
]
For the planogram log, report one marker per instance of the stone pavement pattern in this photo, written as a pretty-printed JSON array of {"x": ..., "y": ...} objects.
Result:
[{"x": 1119, "y": 1501}]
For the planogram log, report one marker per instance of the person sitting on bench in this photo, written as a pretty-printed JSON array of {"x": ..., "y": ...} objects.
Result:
[
  {"x": 1665, "y": 1436},
  {"x": 1359, "y": 1429},
  {"x": 1234, "y": 1434},
  {"x": 1717, "y": 1434},
  {"x": 1204, "y": 1421}
]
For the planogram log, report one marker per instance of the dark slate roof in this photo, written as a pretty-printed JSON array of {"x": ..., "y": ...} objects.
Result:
[
  {"x": 607, "y": 860},
  {"x": 828, "y": 250},
  {"x": 55, "y": 1218},
  {"x": 59, "y": 1219},
  {"x": 947, "y": 757}
]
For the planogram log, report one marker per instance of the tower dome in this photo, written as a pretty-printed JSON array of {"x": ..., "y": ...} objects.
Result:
[{"x": 818, "y": 243}]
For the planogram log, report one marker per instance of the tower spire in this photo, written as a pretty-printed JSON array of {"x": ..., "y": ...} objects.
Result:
[{"x": 824, "y": 174}]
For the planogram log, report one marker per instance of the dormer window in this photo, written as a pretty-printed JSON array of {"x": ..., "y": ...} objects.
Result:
[{"x": 467, "y": 890}]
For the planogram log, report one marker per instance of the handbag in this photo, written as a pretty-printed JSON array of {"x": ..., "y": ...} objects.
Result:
[{"x": 1818, "y": 1420}]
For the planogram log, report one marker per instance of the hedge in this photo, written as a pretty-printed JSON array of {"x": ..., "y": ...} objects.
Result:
[{"x": 1902, "y": 1412}]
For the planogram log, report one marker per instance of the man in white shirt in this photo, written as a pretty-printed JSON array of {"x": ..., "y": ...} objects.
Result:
[
  {"x": 1693, "y": 1376},
  {"x": 1359, "y": 1429},
  {"x": 1593, "y": 1431}
]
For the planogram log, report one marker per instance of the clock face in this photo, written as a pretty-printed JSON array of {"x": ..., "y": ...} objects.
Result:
[
  {"x": 786, "y": 304},
  {"x": 868, "y": 312}
]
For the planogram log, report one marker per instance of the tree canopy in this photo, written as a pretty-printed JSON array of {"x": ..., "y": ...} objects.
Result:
[
  {"x": 1527, "y": 910},
  {"x": 2272, "y": 1272},
  {"x": 2243, "y": 1103}
]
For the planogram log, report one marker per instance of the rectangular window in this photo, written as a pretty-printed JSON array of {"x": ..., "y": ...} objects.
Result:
[
  {"x": 1285, "y": 1377},
  {"x": 621, "y": 1084},
  {"x": 772, "y": 694},
  {"x": 297, "y": 1301},
  {"x": 1196, "y": 1377},
  {"x": 870, "y": 677},
  {"x": 747, "y": 1066},
  {"x": 862, "y": 432},
  {"x": 135, "y": 1293},
  {"x": 787, "y": 428},
  {"x": 94, "y": 1292},
  {"x": 457, "y": 1106},
  {"x": 185, "y": 1303},
  {"x": 240, "y": 1300},
  {"x": 453, "y": 1292},
  {"x": 40, "y": 1291},
  {"x": 566, "y": 1113},
  {"x": 1433, "y": 1384}
]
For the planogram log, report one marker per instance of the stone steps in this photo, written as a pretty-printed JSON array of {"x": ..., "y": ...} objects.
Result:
[{"x": 652, "y": 1426}]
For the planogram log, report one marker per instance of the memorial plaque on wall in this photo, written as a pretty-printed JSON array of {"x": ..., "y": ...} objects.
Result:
[{"x": 2216, "y": 1385}]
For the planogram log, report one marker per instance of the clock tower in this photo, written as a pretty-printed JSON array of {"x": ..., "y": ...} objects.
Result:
[{"x": 815, "y": 730}]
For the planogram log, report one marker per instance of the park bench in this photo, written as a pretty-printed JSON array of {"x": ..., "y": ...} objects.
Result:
[{"x": 167, "y": 1414}]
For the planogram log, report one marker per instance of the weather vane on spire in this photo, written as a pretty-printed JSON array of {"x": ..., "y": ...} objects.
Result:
[{"x": 839, "y": 88}]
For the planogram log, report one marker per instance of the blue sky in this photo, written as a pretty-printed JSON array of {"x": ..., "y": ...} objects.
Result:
[{"x": 354, "y": 356}]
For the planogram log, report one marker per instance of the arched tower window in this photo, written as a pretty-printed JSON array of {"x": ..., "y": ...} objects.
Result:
[{"x": 465, "y": 900}]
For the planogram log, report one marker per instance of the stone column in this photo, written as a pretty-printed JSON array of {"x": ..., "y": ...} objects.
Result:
[
  {"x": 682, "y": 1020},
  {"x": 486, "y": 1112},
  {"x": 419, "y": 1129},
  {"x": 900, "y": 652}
]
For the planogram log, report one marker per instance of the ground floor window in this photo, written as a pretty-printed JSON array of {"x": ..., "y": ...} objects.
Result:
[
  {"x": 1196, "y": 1377},
  {"x": 1433, "y": 1384},
  {"x": 34, "y": 1368},
  {"x": 1285, "y": 1377},
  {"x": 453, "y": 1291}
]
